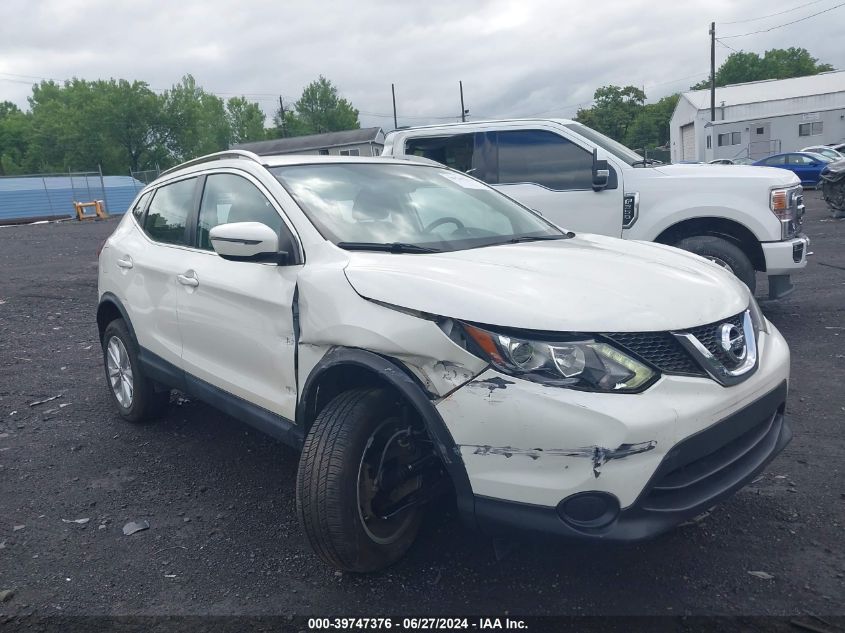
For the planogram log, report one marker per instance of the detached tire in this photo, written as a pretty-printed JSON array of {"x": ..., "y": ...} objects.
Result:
[
  {"x": 724, "y": 253},
  {"x": 132, "y": 392},
  {"x": 332, "y": 482}
]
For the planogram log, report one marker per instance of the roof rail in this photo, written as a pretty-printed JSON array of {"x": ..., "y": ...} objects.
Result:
[{"x": 229, "y": 153}]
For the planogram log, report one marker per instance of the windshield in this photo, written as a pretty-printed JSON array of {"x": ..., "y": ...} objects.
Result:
[
  {"x": 608, "y": 144},
  {"x": 408, "y": 208}
]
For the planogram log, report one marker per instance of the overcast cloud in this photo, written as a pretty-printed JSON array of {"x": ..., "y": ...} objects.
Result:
[{"x": 515, "y": 58}]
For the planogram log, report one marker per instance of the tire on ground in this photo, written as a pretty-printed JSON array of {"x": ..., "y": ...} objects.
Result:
[
  {"x": 327, "y": 484},
  {"x": 148, "y": 399},
  {"x": 715, "y": 247}
]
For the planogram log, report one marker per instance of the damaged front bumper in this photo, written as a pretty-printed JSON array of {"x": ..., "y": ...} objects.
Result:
[
  {"x": 540, "y": 458},
  {"x": 691, "y": 478}
]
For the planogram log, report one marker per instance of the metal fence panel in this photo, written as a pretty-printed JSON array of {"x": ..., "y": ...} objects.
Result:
[{"x": 52, "y": 195}]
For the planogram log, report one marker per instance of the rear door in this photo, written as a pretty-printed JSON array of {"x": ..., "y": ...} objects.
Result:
[
  {"x": 148, "y": 258},
  {"x": 804, "y": 166},
  {"x": 236, "y": 318}
]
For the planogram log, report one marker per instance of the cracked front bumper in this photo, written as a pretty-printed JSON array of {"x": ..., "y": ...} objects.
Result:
[
  {"x": 526, "y": 447},
  {"x": 690, "y": 479}
]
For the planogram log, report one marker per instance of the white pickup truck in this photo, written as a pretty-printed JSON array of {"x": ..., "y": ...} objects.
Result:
[{"x": 744, "y": 218}]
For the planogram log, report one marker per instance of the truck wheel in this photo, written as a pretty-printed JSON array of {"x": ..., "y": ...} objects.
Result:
[
  {"x": 133, "y": 393},
  {"x": 348, "y": 498},
  {"x": 722, "y": 252}
]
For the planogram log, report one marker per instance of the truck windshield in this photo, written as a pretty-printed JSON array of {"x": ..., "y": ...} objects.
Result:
[
  {"x": 608, "y": 144},
  {"x": 408, "y": 208}
]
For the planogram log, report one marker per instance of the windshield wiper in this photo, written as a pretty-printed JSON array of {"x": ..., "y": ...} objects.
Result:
[
  {"x": 539, "y": 238},
  {"x": 389, "y": 247}
]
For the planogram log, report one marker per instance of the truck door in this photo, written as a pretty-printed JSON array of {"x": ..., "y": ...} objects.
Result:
[{"x": 553, "y": 175}]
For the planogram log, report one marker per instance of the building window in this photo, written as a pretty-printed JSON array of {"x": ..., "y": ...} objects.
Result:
[
  {"x": 730, "y": 138},
  {"x": 709, "y": 141},
  {"x": 810, "y": 129},
  {"x": 761, "y": 130},
  {"x": 350, "y": 152},
  {"x": 324, "y": 152}
]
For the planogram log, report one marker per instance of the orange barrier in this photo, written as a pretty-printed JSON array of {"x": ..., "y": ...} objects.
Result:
[{"x": 99, "y": 210}]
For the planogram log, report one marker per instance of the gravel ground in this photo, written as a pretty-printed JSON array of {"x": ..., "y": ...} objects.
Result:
[{"x": 223, "y": 537}]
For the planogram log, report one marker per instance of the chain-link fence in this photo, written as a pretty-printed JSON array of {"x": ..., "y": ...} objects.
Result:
[{"x": 145, "y": 176}]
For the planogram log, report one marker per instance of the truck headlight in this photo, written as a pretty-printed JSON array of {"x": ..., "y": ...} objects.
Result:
[
  {"x": 584, "y": 363},
  {"x": 787, "y": 204}
]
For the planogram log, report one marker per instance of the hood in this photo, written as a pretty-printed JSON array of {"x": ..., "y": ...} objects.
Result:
[
  {"x": 773, "y": 176},
  {"x": 589, "y": 283}
]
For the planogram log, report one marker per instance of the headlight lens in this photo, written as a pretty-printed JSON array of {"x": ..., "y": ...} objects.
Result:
[
  {"x": 785, "y": 204},
  {"x": 586, "y": 364},
  {"x": 757, "y": 319}
]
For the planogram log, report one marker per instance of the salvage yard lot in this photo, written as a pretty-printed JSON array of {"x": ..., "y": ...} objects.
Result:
[{"x": 223, "y": 536}]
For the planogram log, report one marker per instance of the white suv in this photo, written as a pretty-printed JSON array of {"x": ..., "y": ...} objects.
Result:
[{"x": 413, "y": 331}]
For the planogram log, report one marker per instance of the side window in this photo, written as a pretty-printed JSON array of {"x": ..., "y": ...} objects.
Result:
[
  {"x": 453, "y": 151},
  {"x": 543, "y": 158},
  {"x": 230, "y": 198},
  {"x": 138, "y": 209},
  {"x": 776, "y": 160},
  {"x": 169, "y": 210}
]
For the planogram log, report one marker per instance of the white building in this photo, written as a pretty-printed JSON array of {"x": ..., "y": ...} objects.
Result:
[
  {"x": 367, "y": 141},
  {"x": 759, "y": 118}
]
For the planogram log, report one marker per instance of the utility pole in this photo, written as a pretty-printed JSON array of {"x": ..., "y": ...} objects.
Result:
[
  {"x": 463, "y": 110},
  {"x": 712, "y": 71},
  {"x": 282, "y": 116},
  {"x": 393, "y": 92}
]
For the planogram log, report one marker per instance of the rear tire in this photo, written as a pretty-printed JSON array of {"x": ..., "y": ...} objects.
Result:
[
  {"x": 724, "y": 253},
  {"x": 133, "y": 393},
  {"x": 332, "y": 471}
]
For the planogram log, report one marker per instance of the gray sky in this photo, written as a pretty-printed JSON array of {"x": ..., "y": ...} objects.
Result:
[{"x": 515, "y": 58}]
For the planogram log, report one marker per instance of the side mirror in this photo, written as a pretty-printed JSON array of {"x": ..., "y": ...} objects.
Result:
[
  {"x": 247, "y": 242},
  {"x": 601, "y": 172}
]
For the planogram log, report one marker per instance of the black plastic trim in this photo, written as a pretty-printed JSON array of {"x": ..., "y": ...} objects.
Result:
[
  {"x": 409, "y": 388},
  {"x": 274, "y": 425}
]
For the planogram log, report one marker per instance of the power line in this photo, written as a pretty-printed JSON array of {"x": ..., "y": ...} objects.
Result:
[
  {"x": 771, "y": 15},
  {"x": 726, "y": 45},
  {"x": 780, "y": 26}
]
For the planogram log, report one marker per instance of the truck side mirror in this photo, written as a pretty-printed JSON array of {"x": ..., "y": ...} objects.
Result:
[{"x": 601, "y": 172}]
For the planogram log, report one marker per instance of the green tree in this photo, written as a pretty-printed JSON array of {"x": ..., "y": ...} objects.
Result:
[
  {"x": 319, "y": 109},
  {"x": 650, "y": 127},
  {"x": 777, "y": 63},
  {"x": 613, "y": 111},
  {"x": 194, "y": 120},
  {"x": 130, "y": 117},
  {"x": 246, "y": 120},
  {"x": 14, "y": 138}
]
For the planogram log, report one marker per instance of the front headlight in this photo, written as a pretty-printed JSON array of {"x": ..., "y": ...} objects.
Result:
[
  {"x": 582, "y": 363},
  {"x": 758, "y": 321},
  {"x": 785, "y": 204}
]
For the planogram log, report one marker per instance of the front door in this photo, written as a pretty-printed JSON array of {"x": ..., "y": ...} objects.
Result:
[
  {"x": 554, "y": 175},
  {"x": 236, "y": 318},
  {"x": 760, "y": 145}
]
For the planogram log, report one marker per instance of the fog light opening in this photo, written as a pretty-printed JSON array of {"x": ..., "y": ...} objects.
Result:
[{"x": 589, "y": 510}]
